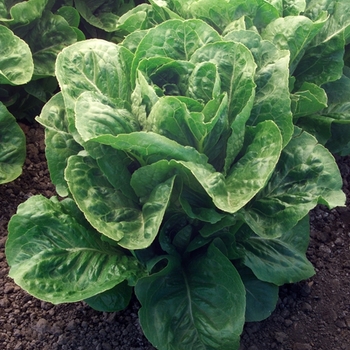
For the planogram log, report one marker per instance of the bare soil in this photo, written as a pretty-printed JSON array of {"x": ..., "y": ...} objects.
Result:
[{"x": 313, "y": 314}]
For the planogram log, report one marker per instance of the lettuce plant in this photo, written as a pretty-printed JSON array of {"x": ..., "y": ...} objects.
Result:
[{"x": 184, "y": 178}]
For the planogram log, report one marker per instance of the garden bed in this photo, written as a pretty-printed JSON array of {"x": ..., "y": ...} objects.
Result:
[{"x": 313, "y": 314}]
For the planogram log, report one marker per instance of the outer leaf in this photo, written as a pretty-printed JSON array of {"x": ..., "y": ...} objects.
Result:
[
  {"x": 58, "y": 270},
  {"x": 70, "y": 14},
  {"x": 306, "y": 174},
  {"x": 197, "y": 305},
  {"x": 111, "y": 300},
  {"x": 12, "y": 147},
  {"x": 261, "y": 296},
  {"x": 103, "y": 14},
  {"x": 148, "y": 147},
  {"x": 60, "y": 144},
  {"x": 278, "y": 260},
  {"x": 328, "y": 54},
  {"x": 110, "y": 211},
  {"x": 16, "y": 62}
]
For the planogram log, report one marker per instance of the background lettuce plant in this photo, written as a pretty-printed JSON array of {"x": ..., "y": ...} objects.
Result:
[
  {"x": 184, "y": 174},
  {"x": 315, "y": 33},
  {"x": 32, "y": 33}
]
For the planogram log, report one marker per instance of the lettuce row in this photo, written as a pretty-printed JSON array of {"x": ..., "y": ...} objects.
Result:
[
  {"x": 184, "y": 176},
  {"x": 315, "y": 33}
]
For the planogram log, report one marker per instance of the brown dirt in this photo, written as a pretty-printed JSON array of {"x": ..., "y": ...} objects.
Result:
[{"x": 313, "y": 314}]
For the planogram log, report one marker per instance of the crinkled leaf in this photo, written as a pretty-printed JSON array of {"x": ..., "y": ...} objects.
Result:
[
  {"x": 12, "y": 146},
  {"x": 278, "y": 260},
  {"x": 56, "y": 269},
  {"x": 46, "y": 39},
  {"x": 60, "y": 144},
  {"x": 94, "y": 117},
  {"x": 293, "y": 33},
  {"x": 306, "y": 174},
  {"x": 272, "y": 95},
  {"x": 218, "y": 14},
  {"x": 92, "y": 65},
  {"x": 246, "y": 178},
  {"x": 250, "y": 174},
  {"x": 236, "y": 68},
  {"x": 176, "y": 39},
  {"x": 198, "y": 305},
  {"x": 16, "y": 62},
  {"x": 110, "y": 211},
  {"x": 327, "y": 48}
]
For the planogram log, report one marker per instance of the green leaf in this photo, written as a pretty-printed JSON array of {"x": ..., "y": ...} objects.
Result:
[
  {"x": 327, "y": 48},
  {"x": 272, "y": 99},
  {"x": 309, "y": 99},
  {"x": 103, "y": 116},
  {"x": 236, "y": 68},
  {"x": 112, "y": 300},
  {"x": 25, "y": 12},
  {"x": 261, "y": 296},
  {"x": 306, "y": 174},
  {"x": 70, "y": 14},
  {"x": 293, "y": 7},
  {"x": 16, "y": 62},
  {"x": 218, "y": 14},
  {"x": 293, "y": 33},
  {"x": 12, "y": 147},
  {"x": 148, "y": 147},
  {"x": 76, "y": 71},
  {"x": 246, "y": 178},
  {"x": 278, "y": 260},
  {"x": 103, "y": 14},
  {"x": 204, "y": 83},
  {"x": 329, "y": 54},
  {"x": 176, "y": 39},
  {"x": 197, "y": 305},
  {"x": 110, "y": 211},
  {"x": 50, "y": 267},
  {"x": 47, "y": 38},
  {"x": 60, "y": 144},
  {"x": 252, "y": 171}
]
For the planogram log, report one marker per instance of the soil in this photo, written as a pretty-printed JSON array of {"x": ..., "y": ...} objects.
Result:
[{"x": 313, "y": 314}]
